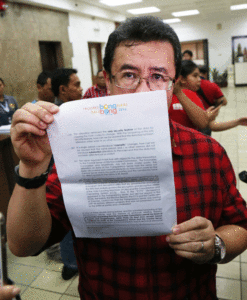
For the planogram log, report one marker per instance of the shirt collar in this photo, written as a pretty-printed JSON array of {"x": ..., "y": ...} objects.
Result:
[
  {"x": 98, "y": 88},
  {"x": 58, "y": 101},
  {"x": 175, "y": 140}
]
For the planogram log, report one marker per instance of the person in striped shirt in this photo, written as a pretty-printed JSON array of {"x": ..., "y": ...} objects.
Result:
[{"x": 99, "y": 89}]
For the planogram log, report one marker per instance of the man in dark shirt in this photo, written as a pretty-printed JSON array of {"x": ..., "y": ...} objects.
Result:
[
  {"x": 142, "y": 54},
  {"x": 66, "y": 86},
  {"x": 45, "y": 92}
]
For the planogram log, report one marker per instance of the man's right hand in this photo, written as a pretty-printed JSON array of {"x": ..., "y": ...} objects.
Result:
[{"x": 28, "y": 133}]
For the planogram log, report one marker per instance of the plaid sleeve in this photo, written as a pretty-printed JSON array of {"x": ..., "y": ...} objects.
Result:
[{"x": 234, "y": 206}]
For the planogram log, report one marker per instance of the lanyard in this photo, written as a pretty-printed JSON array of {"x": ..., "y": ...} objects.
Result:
[{"x": 5, "y": 107}]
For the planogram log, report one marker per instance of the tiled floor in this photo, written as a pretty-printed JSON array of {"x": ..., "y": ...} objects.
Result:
[{"x": 40, "y": 278}]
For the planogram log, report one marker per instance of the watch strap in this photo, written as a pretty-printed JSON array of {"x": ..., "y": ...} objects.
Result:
[{"x": 32, "y": 183}]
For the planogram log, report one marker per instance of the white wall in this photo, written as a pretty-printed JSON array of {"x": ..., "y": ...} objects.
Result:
[
  {"x": 219, "y": 41},
  {"x": 76, "y": 7},
  {"x": 81, "y": 31}
]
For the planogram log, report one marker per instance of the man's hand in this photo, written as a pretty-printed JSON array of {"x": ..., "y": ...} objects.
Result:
[
  {"x": 28, "y": 132},
  {"x": 8, "y": 292},
  {"x": 194, "y": 240}
]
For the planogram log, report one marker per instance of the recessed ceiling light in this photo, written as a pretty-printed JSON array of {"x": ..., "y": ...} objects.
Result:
[
  {"x": 174, "y": 20},
  {"x": 185, "y": 13},
  {"x": 118, "y": 2},
  {"x": 144, "y": 10},
  {"x": 237, "y": 7}
]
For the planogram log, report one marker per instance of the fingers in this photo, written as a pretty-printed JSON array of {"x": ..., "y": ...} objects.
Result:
[
  {"x": 191, "y": 236},
  {"x": 42, "y": 110},
  {"x": 218, "y": 108},
  {"x": 193, "y": 239},
  {"x": 210, "y": 108},
  {"x": 8, "y": 292},
  {"x": 194, "y": 247},
  {"x": 50, "y": 107},
  {"x": 33, "y": 118},
  {"x": 192, "y": 224},
  {"x": 199, "y": 258}
]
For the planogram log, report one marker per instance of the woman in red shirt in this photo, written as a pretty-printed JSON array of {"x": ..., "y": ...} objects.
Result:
[{"x": 187, "y": 108}]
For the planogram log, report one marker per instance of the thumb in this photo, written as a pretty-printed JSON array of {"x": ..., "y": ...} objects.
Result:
[
  {"x": 7, "y": 292},
  {"x": 210, "y": 108}
]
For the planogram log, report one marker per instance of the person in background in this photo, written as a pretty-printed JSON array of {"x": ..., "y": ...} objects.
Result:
[
  {"x": 44, "y": 87},
  {"x": 209, "y": 92},
  {"x": 45, "y": 93},
  {"x": 203, "y": 72},
  {"x": 99, "y": 89},
  {"x": 187, "y": 108},
  {"x": 187, "y": 55},
  {"x": 66, "y": 85},
  {"x": 8, "y": 292},
  {"x": 8, "y": 105},
  {"x": 142, "y": 55}
]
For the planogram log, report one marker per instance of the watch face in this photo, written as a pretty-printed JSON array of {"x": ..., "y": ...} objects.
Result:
[{"x": 220, "y": 246}]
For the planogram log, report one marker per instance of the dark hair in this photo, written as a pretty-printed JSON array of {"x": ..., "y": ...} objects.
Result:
[
  {"x": 188, "y": 52},
  {"x": 142, "y": 29},
  {"x": 203, "y": 69},
  {"x": 2, "y": 80},
  {"x": 187, "y": 67},
  {"x": 43, "y": 76},
  {"x": 99, "y": 71},
  {"x": 61, "y": 77}
]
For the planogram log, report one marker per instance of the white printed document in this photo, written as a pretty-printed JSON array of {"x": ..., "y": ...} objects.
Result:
[{"x": 114, "y": 162}]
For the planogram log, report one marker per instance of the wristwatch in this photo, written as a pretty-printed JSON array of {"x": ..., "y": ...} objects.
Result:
[
  {"x": 220, "y": 250},
  {"x": 32, "y": 183}
]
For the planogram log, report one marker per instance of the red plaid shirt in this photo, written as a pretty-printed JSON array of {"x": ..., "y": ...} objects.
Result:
[
  {"x": 144, "y": 268},
  {"x": 95, "y": 91}
]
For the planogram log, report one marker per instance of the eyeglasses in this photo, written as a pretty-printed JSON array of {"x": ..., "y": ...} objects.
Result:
[{"x": 130, "y": 81}]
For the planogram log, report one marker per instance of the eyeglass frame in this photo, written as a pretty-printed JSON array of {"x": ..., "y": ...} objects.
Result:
[{"x": 171, "y": 82}]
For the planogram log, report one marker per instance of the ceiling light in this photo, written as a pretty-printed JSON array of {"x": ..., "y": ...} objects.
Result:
[
  {"x": 144, "y": 10},
  {"x": 237, "y": 7},
  {"x": 185, "y": 13},
  {"x": 174, "y": 20},
  {"x": 118, "y": 2}
]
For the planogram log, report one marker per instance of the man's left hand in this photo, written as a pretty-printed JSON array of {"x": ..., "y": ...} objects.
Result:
[{"x": 194, "y": 240}]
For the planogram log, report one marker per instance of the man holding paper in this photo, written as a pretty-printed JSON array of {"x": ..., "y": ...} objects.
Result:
[{"x": 142, "y": 55}]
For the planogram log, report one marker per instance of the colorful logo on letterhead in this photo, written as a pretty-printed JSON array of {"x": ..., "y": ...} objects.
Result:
[{"x": 107, "y": 109}]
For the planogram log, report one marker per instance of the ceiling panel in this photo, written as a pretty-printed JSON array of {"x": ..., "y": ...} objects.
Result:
[{"x": 209, "y": 9}]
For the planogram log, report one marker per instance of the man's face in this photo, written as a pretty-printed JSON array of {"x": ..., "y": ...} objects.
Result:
[
  {"x": 141, "y": 59},
  {"x": 1, "y": 88},
  {"x": 73, "y": 89},
  {"x": 186, "y": 56},
  {"x": 45, "y": 92},
  {"x": 101, "y": 79}
]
